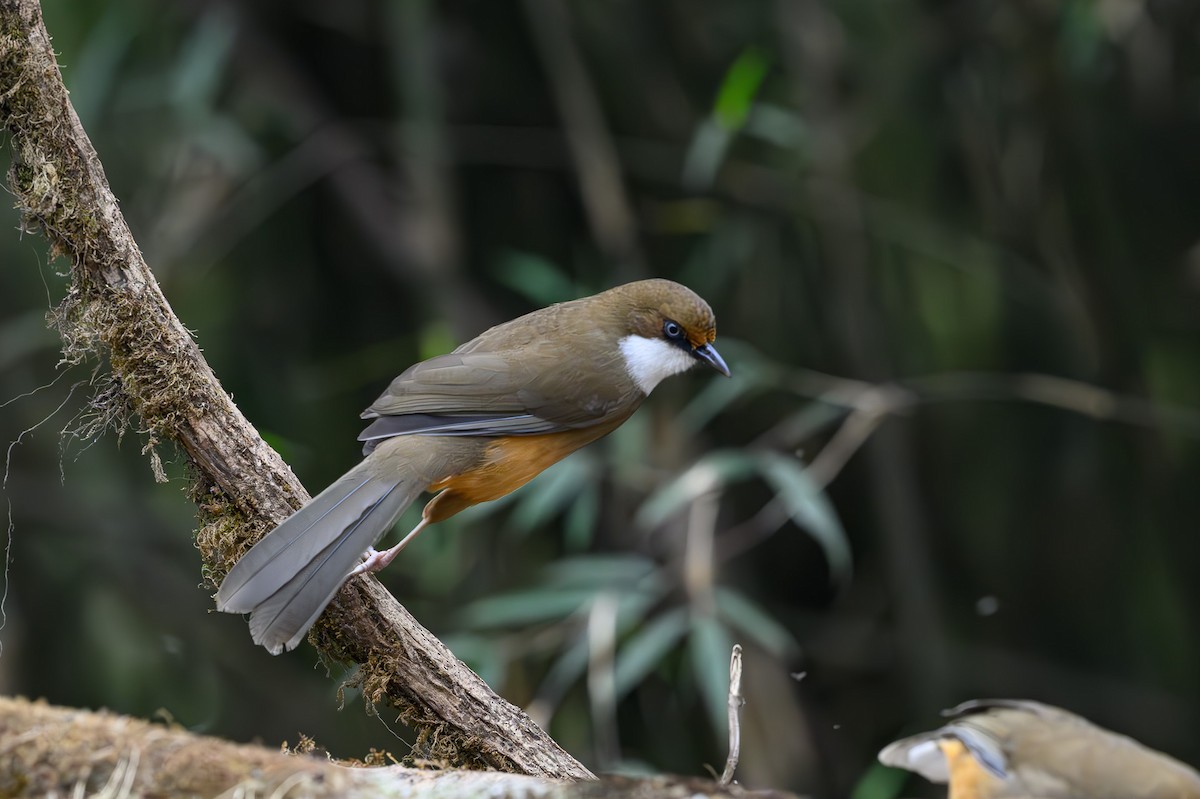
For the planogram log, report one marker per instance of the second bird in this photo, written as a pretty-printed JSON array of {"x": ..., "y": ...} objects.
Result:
[{"x": 472, "y": 426}]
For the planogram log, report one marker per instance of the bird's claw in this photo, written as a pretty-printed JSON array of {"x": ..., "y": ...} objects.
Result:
[{"x": 374, "y": 561}]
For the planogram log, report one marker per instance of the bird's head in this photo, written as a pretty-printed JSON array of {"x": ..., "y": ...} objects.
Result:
[{"x": 666, "y": 328}]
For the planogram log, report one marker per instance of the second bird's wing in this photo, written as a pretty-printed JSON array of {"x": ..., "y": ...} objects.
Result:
[{"x": 1035, "y": 750}]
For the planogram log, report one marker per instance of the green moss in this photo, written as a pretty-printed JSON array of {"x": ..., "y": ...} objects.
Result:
[{"x": 223, "y": 531}]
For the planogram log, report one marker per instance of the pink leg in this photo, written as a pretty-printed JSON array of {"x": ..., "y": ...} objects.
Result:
[{"x": 374, "y": 560}]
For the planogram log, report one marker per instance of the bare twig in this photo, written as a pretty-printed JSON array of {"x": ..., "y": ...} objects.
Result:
[
  {"x": 1076, "y": 396},
  {"x": 115, "y": 310},
  {"x": 871, "y": 409},
  {"x": 735, "y": 712}
]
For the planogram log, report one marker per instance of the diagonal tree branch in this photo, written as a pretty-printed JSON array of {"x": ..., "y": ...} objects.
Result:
[{"x": 114, "y": 310}]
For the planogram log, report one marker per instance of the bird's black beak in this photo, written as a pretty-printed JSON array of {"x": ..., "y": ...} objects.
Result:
[{"x": 708, "y": 353}]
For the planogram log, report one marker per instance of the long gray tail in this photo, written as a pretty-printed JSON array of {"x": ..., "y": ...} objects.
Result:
[{"x": 287, "y": 578}]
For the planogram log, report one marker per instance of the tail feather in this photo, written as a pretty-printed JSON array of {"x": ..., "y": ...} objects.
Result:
[
  {"x": 274, "y": 560},
  {"x": 288, "y": 577},
  {"x": 283, "y": 618}
]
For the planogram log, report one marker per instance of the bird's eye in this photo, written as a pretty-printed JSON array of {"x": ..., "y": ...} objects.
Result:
[{"x": 672, "y": 330}]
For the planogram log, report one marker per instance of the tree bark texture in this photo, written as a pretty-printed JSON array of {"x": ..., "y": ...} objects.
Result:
[{"x": 115, "y": 310}]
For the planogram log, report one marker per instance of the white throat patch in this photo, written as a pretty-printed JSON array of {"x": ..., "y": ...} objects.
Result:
[{"x": 649, "y": 360}]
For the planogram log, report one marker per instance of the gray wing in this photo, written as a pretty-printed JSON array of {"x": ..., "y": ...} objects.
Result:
[
  {"x": 496, "y": 394},
  {"x": 433, "y": 424},
  {"x": 921, "y": 753}
]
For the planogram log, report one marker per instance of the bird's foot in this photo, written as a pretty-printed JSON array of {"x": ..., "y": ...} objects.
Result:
[{"x": 374, "y": 560}]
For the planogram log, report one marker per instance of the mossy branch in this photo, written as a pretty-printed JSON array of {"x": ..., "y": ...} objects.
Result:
[
  {"x": 114, "y": 311},
  {"x": 54, "y": 751}
]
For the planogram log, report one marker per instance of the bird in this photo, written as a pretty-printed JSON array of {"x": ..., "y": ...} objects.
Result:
[
  {"x": 1021, "y": 749},
  {"x": 471, "y": 426}
]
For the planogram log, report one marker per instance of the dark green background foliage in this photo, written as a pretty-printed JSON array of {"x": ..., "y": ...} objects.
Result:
[{"x": 962, "y": 235}]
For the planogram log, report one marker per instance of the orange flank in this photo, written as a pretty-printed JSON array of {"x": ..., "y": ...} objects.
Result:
[{"x": 507, "y": 464}]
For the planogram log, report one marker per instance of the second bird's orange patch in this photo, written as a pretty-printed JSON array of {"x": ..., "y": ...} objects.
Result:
[{"x": 968, "y": 779}]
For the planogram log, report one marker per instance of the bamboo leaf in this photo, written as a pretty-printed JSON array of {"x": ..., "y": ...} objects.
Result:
[
  {"x": 709, "y": 646},
  {"x": 540, "y": 281},
  {"x": 740, "y": 88},
  {"x": 556, "y": 488},
  {"x": 747, "y": 617},
  {"x": 809, "y": 508},
  {"x": 580, "y": 523},
  {"x": 599, "y": 571},
  {"x": 521, "y": 608},
  {"x": 644, "y": 650},
  {"x": 708, "y": 474}
]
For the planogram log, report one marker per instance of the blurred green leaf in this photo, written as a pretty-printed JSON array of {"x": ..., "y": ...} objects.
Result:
[
  {"x": 720, "y": 258},
  {"x": 752, "y": 373},
  {"x": 634, "y": 606},
  {"x": 92, "y": 77},
  {"x": 568, "y": 667},
  {"x": 202, "y": 60},
  {"x": 710, "y": 473},
  {"x": 809, "y": 508},
  {"x": 713, "y": 136},
  {"x": 568, "y": 587},
  {"x": 774, "y": 123},
  {"x": 288, "y": 448},
  {"x": 1083, "y": 36},
  {"x": 739, "y": 612},
  {"x": 436, "y": 338},
  {"x": 582, "y": 516},
  {"x": 480, "y": 653},
  {"x": 646, "y": 648},
  {"x": 535, "y": 278},
  {"x": 572, "y": 661},
  {"x": 521, "y": 608},
  {"x": 711, "y": 400},
  {"x": 709, "y": 647},
  {"x": 805, "y": 502},
  {"x": 812, "y": 419},
  {"x": 740, "y": 87},
  {"x": 557, "y": 487},
  {"x": 880, "y": 782},
  {"x": 705, "y": 154},
  {"x": 627, "y": 446},
  {"x": 599, "y": 571}
]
